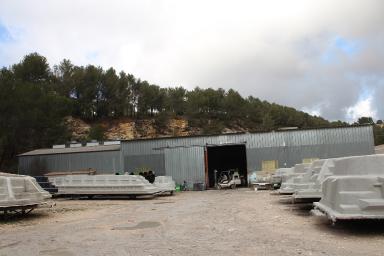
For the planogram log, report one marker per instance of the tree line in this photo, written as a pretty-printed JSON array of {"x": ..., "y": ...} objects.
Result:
[
  {"x": 35, "y": 98},
  {"x": 95, "y": 93}
]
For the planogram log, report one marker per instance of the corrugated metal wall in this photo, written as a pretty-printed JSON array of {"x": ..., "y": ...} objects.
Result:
[
  {"x": 144, "y": 163},
  {"x": 102, "y": 162},
  {"x": 185, "y": 164},
  {"x": 184, "y": 157},
  {"x": 362, "y": 135}
]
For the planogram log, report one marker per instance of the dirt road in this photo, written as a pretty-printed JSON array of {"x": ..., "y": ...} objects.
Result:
[{"x": 239, "y": 222}]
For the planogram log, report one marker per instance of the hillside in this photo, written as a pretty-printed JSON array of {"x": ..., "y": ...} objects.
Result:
[
  {"x": 126, "y": 129},
  {"x": 43, "y": 105}
]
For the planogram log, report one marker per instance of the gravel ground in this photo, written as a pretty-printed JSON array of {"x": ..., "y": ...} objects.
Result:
[{"x": 225, "y": 222}]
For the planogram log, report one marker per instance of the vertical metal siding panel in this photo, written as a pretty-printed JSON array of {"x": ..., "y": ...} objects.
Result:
[
  {"x": 104, "y": 162},
  {"x": 343, "y": 135},
  {"x": 315, "y": 138},
  {"x": 323, "y": 142},
  {"x": 303, "y": 139},
  {"x": 333, "y": 137},
  {"x": 137, "y": 163},
  {"x": 258, "y": 141},
  {"x": 264, "y": 143},
  {"x": 306, "y": 139},
  {"x": 252, "y": 139},
  {"x": 185, "y": 164},
  {"x": 299, "y": 139},
  {"x": 346, "y": 137}
]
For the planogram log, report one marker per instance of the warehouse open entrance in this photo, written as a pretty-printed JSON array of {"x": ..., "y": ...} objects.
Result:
[{"x": 225, "y": 158}]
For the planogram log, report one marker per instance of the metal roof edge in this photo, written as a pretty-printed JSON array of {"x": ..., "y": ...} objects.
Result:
[
  {"x": 30, "y": 153},
  {"x": 240, "y": 133}
]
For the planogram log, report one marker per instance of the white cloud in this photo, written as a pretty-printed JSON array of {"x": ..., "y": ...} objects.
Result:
[
  {"x": 269, "y": 49},
  {"x": 362, "y": 108}
]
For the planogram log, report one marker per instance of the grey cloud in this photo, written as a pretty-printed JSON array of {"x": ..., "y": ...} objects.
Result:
[{"x": 269, "y": 49}]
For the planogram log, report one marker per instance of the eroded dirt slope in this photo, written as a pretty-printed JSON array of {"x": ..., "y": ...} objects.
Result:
[{"x": 125, "y": 128}]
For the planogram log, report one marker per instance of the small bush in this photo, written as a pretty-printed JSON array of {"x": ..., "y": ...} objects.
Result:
[{"x": 97, "y": 133}]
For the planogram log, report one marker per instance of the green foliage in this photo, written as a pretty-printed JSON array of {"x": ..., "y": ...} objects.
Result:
[
  {"x": 34, "y": 99},
  {"x": 212, "y": 127},
  {"x": 175, "y": 100},
  {"x": 95, "y": 93},
  {"x": 378, "y": 135},
  {"x": 365, "y": 120},
  {"x": 161, "y": 120},
  {"x": 338, "y": 123},
  {"x": 97, "y": 132},
  {"x": 268, "y": 122},
  {"x": 31, "y": 110}
]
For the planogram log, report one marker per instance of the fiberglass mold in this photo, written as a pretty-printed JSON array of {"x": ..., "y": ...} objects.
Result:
[
  {"x": 355, "y": 190},
  {"x": 20, "y": 192},
  {"x": 103, "y": 185}
]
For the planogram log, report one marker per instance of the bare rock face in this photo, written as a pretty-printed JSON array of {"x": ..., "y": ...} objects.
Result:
[
  {"x": 79, "y": 129},
  {"x": 178, "y": 127},
  {"x": 146, "y": 128},
  {"x": 127, "y": 128},
  {"x": 124, "y": 130}
]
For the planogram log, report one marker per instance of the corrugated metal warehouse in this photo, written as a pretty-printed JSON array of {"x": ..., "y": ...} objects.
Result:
[
  {"x": 104, "y": 159},
  {"x": 194, "y": 159}
]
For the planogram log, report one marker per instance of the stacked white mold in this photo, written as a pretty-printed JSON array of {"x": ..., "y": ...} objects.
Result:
[
  {"x": 307, "y": 179},
  {"x": 103, "y": 185},
  {"x": 312, "y": 191},
  {"x": 20, "y": 191},
  {"x": 356, "y": 190},
  {"x": 165, "y": 184},
  {"x": 281, "y": 175},
  {"x": 294, "y": 177}
]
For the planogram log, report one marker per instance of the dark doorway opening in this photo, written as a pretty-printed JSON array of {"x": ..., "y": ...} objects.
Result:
[{"x": 224, "y": 158}]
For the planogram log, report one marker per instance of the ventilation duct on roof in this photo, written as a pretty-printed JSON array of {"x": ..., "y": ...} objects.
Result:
[
  {"x": 76, "y": 145},
  {"x": 92, "y": 144},
  {"x": 114, "y": 142},
  {"x": 58, "y": 146}
]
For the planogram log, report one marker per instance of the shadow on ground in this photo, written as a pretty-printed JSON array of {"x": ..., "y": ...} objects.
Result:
[
  {"x": 351, "y": 227},
  {"x": 101, "y": 198},
  {"x": 14, "y": 218},
  {"x": 341, "y": 227}
]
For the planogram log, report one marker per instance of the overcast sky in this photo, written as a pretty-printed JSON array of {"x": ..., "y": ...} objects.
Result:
[{"x": 325, "y": 57}]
